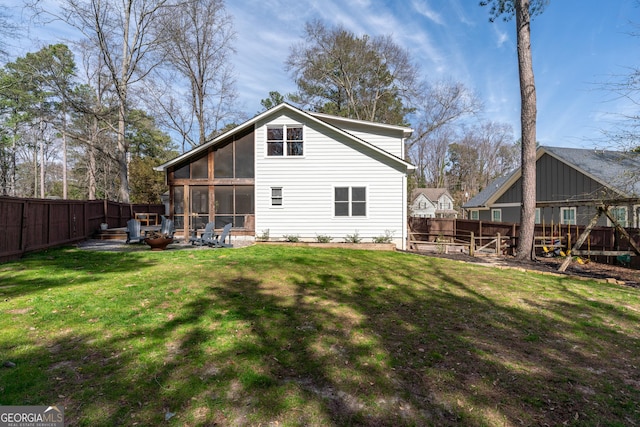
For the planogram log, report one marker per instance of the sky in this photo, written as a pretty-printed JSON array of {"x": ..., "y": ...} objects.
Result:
[{"x": 577, "y": 46}]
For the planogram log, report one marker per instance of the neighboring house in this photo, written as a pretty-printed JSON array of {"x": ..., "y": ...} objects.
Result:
[
  {"x": 569, "y": 183},
  {"x": 432, "y": 203},
  {"x": 292, "y": 172}
]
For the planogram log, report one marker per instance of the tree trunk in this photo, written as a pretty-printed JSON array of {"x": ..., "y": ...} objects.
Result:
[
  {"x": 528, "y": 124},
  {"x": 92, "y": 166},
  {"x": 122, "y": 89},
  {"x": 35, "y": 173},
  {"x": 42, "y": 166},
  {"x": 64, "y": 153},
  {"x": 12, "y": 173},
  {"x": 123, "y": 154}
]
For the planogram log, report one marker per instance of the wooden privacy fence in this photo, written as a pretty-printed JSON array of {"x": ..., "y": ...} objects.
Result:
[
  {"x": 474, "y": 237},
  {"x": 28, "y": 225}
]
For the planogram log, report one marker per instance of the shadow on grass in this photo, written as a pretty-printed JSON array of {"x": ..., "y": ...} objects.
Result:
[
  {"x": 382, "y": 340},
  {"x": 59, "y": 267}
]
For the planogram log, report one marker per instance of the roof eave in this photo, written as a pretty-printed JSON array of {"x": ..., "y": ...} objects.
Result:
[
  {"x": 406, "y": 131},
  {"x": 265, "y": 113}
]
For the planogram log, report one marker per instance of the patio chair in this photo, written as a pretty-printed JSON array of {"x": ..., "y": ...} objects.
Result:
[
  {"x": 219, "y": 241},
  {"x": 167, "y": 228},
  {"x": 133, "y": 231},
  {"x": 206, "y": 236}
]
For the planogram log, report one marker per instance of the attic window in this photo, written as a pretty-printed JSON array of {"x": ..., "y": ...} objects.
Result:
[{"x": 289, "y": 136}]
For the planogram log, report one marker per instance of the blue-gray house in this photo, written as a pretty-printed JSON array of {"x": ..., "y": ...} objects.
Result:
[{"x": 570, "y": 182}]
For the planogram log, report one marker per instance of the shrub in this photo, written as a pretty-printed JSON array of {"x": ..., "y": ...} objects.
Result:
[
  {"x": 293, "y": 238},
  {"x": 264, "y": 237},
  {"x": 353, "y": 238},
  {"x": 323, "y": 238},
  {"x": 441, "y": 241},
  {"x": 387, "y": 238}
]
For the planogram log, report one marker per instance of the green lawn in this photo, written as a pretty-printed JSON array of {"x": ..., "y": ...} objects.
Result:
[{"x": 274, "y": 335}]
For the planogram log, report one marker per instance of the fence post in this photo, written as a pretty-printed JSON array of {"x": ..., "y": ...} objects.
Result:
[
  {"x": 472, "y": 245},
  {"x": 498, "y": 244}
]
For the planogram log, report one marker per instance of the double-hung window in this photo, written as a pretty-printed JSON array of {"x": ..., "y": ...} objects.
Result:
[
  {"x": 285, "y": 141},
  {"x": 496, "y": 215},
  {"x": 619, "y": 213},
  {"x": 350, "y": 201},
  {"x": 276, "y": 196},
  {"x": 568, "y": 216}
]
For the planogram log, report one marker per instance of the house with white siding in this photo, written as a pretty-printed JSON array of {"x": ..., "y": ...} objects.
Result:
[
  {"x": 432, "y": 203},
  {"x": 292, "y": 172}
]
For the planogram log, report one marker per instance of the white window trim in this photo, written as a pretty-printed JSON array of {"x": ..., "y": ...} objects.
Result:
[
  {"x": 477, "y": 215},
  {"x": 575, "y": 215},
  {"x": 626, "y": 215},
  {"x": 350, "y": 201},
  {"x": 636, "y": 212},
  {"x": 493, "y": 217},
  {"x": 284, "y": 140},
  {"x": 538, "y": 219}
]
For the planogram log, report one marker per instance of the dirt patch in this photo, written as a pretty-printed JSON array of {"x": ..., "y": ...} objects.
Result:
[
  {"x": 591, "y": 270},
  {"x": 19, "y": 310}
]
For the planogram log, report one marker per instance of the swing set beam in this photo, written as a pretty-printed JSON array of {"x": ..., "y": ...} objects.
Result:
[{"x": 602, "y": 210}]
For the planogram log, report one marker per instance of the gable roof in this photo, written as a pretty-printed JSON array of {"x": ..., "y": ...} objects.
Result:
[
  {"x": 482, "y": 198},
  {"x": 433, "y": 194},
  {"x": 415, "y": 201},
  {"x": 617, "y": 170},
  {"x": 613, "y": 169},
  {"x": 314, "y": 117}
]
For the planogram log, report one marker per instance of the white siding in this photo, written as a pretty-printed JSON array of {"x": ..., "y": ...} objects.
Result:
[
  {"x": 390, "y": 140},
  {"x": 445, "y": 202},
  {"x": 429, "y": 211},
  {"x": 330, "y": 160}
]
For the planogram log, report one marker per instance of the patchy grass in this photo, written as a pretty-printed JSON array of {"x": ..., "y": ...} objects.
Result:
[{"x": 301, "y": 336}]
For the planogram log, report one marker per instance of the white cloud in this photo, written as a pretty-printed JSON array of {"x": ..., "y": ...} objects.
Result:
[
  {"x": 447, "y": 39},
  {"x": 502, "y": 37},
  {"x": 422, "y": 7}
]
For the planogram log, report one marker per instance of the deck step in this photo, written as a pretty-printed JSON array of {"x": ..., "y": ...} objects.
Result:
[{"x": 111, "y": 234}]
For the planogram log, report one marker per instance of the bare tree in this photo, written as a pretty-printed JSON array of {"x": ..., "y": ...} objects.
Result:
[
  {"x": 440, "y": 107},
  {"x": 94, "y": 123},
  {"x": 524, "y": 10},
  {"x": 196, "y": 39},
  {"x": 8, "y": 29},
  {"x": 430, "y": 153},
  {"x": 498, "y": 153},
  {"x": 481, "y": 154},
  {"x": 122, "y": 32},
  {"x": 625, "y": 132},
  {"x": 444, "y": 103}
]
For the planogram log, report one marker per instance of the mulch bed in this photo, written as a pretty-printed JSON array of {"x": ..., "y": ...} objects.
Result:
[{"x": 592, "y": 270}]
